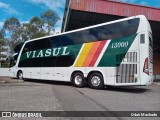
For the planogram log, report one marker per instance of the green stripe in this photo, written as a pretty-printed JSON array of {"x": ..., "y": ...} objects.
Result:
[{"x": 113, "y": 55}]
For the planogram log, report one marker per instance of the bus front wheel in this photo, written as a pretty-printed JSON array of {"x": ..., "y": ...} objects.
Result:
[
  {"x": 96, "y": 81},
  {"x": 78, "y": 79},
  {"x": 20, "y": 75}
]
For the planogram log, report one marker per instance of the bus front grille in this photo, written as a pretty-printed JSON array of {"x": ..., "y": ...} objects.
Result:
[{"x": 125, "y": 73}]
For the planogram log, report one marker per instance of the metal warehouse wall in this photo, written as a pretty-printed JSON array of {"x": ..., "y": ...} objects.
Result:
[{"x": 115, "y": 8}]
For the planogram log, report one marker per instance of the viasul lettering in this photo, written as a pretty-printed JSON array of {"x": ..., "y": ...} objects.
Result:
[{"x": 48, "y": 52}]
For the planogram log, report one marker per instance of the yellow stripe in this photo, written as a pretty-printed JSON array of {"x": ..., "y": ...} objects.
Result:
[{"x": 83, "y": 54}]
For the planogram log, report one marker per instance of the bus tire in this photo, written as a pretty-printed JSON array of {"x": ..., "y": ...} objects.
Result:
[
  {"x": 96, "y": 81},
  {"x": 20, "y": 75},
  {"x": 78, "y": 79}
]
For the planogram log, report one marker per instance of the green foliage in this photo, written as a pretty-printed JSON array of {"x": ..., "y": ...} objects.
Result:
[
  {"x": 33, "y": 29},
  {"x": 2, "y": 48},
  {"x": 2, "y": 41},
  {"x": 2, "y": 34},
  {"x": 51, "y": 18},
  {"x": 39, "y": 34},
  {"x": 37, "y": 22},
  {"x": 22, "y": 32},
  {"x": 11, "y": 24}
]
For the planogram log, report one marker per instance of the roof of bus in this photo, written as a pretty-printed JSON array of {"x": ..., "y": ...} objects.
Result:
[{"x": 138, "y": 16}]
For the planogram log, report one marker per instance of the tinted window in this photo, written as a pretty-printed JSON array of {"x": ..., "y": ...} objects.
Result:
[
  {"x": 31, "y": 46},
  {"x": 48, "y": 62},
  {"x": 36, "y": 62},
  {"x": 64, "y": 61},
  {"x": 35, "y": 45},
  {"x": 115, "y": 30},
  {"x": 54, "y": 41}
]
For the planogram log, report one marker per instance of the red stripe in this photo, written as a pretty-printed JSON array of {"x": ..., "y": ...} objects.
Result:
[{"x": 97, "y": 53}]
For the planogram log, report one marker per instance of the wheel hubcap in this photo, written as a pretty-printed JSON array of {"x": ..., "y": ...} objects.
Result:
[
  {"x": 95, "y": 81},
  {"x": 78, "y": 80}
]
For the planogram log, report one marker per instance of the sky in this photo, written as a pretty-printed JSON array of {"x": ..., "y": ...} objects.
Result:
[
  {"x": 24, "y": 10},
  {"x": 153, "y": 3}
]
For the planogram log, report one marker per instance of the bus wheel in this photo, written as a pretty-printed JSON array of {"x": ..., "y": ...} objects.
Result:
[
  {"x": 96, "y": 81},
  {"x": 20, "y": 75},
  {"x": 78, "y": 79}
]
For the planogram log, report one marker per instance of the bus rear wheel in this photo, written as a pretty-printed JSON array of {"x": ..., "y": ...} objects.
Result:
[
  {"x": 96, "y": 81},
  {"x": 78, "y": 79},
  {"x": 20, "y": 75}
]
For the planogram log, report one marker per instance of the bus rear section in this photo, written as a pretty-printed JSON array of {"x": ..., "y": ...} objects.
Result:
[
  {"x": 147, "y": 75},
  {"x": 136, "y": 67}
]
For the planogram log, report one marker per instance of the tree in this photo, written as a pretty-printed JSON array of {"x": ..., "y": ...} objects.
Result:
[
  {"x": 51, "y": 18},
  {"x": 37, "y": 22},
  {"x": 2, "y": 41},
  {"x": 2, "y": 34},
  {"x": 33, "y": 29},
  {"x": 2, "y": 45},
  {"x": 38, "y": 25},
  {"x": 13, "y": 26}
]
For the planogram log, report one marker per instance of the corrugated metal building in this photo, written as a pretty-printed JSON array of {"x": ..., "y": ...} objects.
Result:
[{"x": 82, "y": 13}]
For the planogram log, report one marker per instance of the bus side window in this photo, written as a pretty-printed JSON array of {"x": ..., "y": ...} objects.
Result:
[
  {"x": 28, "y": 47},
  {"x": 142, "y": 38},
  {"x": 39, "y": 44}
]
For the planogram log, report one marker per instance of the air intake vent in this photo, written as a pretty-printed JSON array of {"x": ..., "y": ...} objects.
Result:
[
  {"x": 130, "y": 57},
  {"x": 150, "y": 54},
  {"x": 125, "y": 73}
]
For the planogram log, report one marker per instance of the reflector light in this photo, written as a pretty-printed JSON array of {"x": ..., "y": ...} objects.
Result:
[{"x": 145, "y": 67}]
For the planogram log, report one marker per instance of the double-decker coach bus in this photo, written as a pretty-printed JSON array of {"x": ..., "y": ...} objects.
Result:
[{"x": 117, "y": 53}]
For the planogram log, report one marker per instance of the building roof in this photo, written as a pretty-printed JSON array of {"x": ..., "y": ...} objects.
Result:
[{"x": 116, "y": 8}]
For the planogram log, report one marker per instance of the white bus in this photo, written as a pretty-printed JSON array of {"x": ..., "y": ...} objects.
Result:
[{"x": 117, "y": 53}]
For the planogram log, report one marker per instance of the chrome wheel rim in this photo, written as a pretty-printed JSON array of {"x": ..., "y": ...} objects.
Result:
[
  {"x": 78, "y": 80},
  {"x": 95, "y": 81}
]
